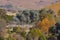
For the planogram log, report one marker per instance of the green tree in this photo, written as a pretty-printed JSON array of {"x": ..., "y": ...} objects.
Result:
[
  {"x": 1, "y": 38},
  {"x": 7, "y": 18},
  {"x": 4, "y": 16},
  {"x": 43, "y": 13},
  {"x": 17, "y": 29},
  {"x": 10, "y": 38},
  {"x": 37, "y": 33},
  {"x": 23, "y": 34},
  {"x": 58, "y": 13},
  {"x": 58, "y": 16},
  {"x": 2, "y": 12}
]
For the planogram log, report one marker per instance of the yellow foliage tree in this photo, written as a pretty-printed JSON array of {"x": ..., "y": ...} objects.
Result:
[{"x": 45, "y": 24}]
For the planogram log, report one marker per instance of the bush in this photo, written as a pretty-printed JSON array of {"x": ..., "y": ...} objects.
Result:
[{"x": 1, "y": 38}]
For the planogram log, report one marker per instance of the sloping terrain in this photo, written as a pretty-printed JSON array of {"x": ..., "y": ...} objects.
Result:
[
  {"x": 28, "y": 4},
  {"x": 55, "y": 7}
]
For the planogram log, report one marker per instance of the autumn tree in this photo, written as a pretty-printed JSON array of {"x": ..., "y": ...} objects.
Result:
[
  {"x": 46, "y": 20},
  {"x": 44, "y": 25}
]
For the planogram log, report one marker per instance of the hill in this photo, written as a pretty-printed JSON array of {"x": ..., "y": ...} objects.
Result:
[
  {"x": 27, "y": 4},
  {"x": 54, "y": 7}
]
